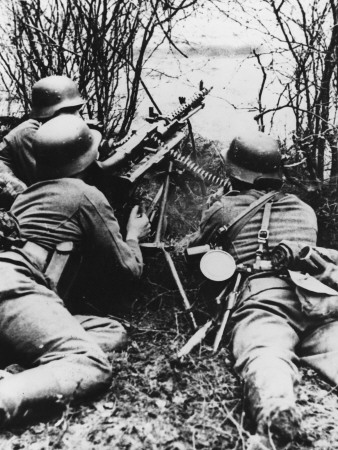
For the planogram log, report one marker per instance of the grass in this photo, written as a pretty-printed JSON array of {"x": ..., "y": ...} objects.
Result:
[{"x": 157, "y": 403}]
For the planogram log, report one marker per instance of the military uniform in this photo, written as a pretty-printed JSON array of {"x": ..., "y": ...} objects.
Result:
[
  {"x": 16, "y": 153},
  {"x": 62, "y": 353},
  {"x": 271, "y": 334},
  {"x": 50, "y": 96}
]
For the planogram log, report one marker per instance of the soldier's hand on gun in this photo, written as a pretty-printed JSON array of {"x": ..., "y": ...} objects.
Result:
[{"x": 138, "y": 226}]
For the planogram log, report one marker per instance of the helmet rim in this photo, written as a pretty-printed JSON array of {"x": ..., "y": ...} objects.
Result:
[
  {"x": 253, "y": 156},
  {"x": 65, "y": 155},
  {"x": 52, "y": 94},
  {"x": 49, "y": 111},
  {"x": 78, "y": 165},
  {"x": 247, "y": 175}
]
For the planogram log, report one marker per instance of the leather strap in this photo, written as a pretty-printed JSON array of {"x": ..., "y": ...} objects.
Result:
[
  {"x": 263, "y": 233},
  {"x": 38, "y": 255},
  {"x": 227, "y": 234},
  {"x": 58, "y": 262},
  {"x": 52, "y": 264}
]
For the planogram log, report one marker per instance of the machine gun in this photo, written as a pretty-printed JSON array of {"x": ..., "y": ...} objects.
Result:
[
  {"x": 140, "y": 151},
  {"x": 159, "y": 138}
]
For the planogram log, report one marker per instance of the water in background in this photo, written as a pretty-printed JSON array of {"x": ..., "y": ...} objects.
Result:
[{"x": 231, "y": 105}]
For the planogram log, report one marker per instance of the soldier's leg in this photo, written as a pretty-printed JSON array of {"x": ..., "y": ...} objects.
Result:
[
  {"x": 319, "y": 349},
  {"x": 108, "y": 333},
  {"x": 264, "y": 339},
  {"x": 64, "y": 361}
]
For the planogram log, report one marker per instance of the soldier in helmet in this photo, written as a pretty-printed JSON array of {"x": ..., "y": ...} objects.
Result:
[
  {"x": 271, "y": 333},
  {"x": 65, "y": 356},
  {"x": 51, "y": 96}
]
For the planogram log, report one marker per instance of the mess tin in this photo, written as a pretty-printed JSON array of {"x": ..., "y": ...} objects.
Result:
[{"x": 215, "y": 264}]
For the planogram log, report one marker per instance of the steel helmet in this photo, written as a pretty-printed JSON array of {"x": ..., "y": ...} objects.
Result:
[
  {"x": 254, "y": 156},
  {"x": 64, "y": 146},
  {"x": 53, "y": 93}
]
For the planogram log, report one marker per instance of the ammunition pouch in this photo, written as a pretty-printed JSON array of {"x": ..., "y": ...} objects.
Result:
[
  {"x": 317, "y": 305},
  {"x": 314, "y": 275},
  {"x": 60, "y": 266},
  {"x": 36, "y": 254}
]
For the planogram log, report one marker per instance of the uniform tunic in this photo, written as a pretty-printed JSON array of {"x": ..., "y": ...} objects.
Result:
[
  {"x": 289, "y": 216},
  {"x": 270, "y": 331},
  {"x": 63, "y": 360},
  {"x": 16, "y": 151},
  {"x": 67, "y": 209}
]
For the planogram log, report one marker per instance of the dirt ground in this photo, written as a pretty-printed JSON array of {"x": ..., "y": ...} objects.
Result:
[{"x": 157, "y": 402}]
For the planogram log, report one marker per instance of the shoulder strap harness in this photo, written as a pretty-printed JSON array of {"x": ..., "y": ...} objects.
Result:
[
  {"x": 226, "y": 234},
  {"x": 263, "y": 235}
]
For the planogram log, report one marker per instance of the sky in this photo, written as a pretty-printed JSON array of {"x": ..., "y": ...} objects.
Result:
[
  {"x": 219, "y": 54},
  {"x": 211, "y": 28}
]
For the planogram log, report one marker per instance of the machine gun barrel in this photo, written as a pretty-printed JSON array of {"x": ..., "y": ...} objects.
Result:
[{"x": 148, "y": 146}]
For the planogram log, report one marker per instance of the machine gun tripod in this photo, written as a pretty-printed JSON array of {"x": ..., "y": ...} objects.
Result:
[
  {"x": 158, "y": 143},
  {"x": 158, "y": 244}
]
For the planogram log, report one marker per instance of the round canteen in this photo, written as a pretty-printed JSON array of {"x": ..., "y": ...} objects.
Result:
[{"x": 217, "y": 265}]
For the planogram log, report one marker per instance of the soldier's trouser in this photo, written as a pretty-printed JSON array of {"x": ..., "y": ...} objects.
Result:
[
  {"x": 64, "y": 361},
  {"x": 270, "y": 336},
  {"x": 109, "y": 334}
]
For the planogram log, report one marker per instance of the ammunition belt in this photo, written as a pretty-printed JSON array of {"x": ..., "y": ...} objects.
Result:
[{"x": 207, "y": 176}]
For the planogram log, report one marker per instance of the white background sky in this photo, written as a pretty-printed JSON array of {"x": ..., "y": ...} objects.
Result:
[{"x": 214, "y": 41}]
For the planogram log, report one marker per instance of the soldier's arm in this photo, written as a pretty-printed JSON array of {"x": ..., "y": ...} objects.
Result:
[
  {"x": 6, "y": 157},
  {"x": 212, "y": 220},
  {"x": 16, "y": 157},
  {"x": 10, "y": 185},
  {"x": 98, "y": 217}
]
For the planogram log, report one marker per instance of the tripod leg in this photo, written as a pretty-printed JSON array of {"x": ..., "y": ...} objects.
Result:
[
  {"x": 179, "y": 285},
  {"x": 158, "y": 243},
  {"x": 159, "y": 230},
  {"x": 196, "y": 339}
]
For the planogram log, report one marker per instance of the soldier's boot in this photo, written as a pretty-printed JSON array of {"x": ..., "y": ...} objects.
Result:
[
  {"x": 258, "y": 442},
  {"x": 280, "y": 419},
  {"x": 272, "y": 403}
]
